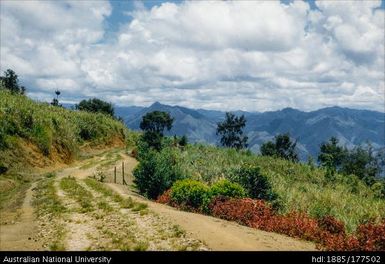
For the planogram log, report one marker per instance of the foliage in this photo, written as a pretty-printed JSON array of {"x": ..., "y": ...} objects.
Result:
[
  {"x": 227, "y": 188},
  {"x": 3, "y": 169},
  {"x": 231, "y": 131},
  {"x": 10, "y": 81},
  {"x": 298, "y": 187},
  {"x": 165, "y": 198},
  {"x": 156, "y": 172},
  {"x": 331, "y": 154},
  {"x": 359, "y": 161},
  {"x": 156, "y": 121},
  {"x": 96, "y": 105},
  {"x": 362, "y": 163},
  {"x": 190, "y": 193},
  {"x": 153, "y": 139},
  {"x": 252, "y": 180},
  {"x": 153, "y": 124},
  {"x": 281, "y": 148},
  {"x": 371, "y": 236},
  {"x": 55, "y": 101},
  {"x": 49, "y": 128},
  {"x": 328, "y": 232},
  {"x": 246, "y": 211},
  {"x": 183, "y": 141}
]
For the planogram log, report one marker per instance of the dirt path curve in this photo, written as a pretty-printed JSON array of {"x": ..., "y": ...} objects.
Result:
[
  {"x": 217, "y": 234},
  {"x": 20, "y": 236}
]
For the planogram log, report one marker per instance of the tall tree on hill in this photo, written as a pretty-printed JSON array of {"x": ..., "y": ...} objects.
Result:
[
  {"x": 153, "y": 124},
  {"x": 362, "y": 162},
  {"x": 55, "y": 101},
  {"x": 96, "y": 105},
  {"x": 282, "y": 147},
  {"x": 10, "y": 81},
  {"x": 331, "y": 154},
  {"x": 231, "y": 131}
]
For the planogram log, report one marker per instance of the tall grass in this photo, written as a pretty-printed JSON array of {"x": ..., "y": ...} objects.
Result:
[
  {"x": 49, "y": 127},
  {"x": 299, "y": 187}
]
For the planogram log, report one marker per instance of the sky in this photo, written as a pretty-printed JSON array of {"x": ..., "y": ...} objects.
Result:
[{"x": 223, "y": 55}]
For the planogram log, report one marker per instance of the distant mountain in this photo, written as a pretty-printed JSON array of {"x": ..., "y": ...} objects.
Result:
[
  {"x": 352, "y": 127},
  {"x": 196, "y": 126},
  {"x": 127, "y": 112}
]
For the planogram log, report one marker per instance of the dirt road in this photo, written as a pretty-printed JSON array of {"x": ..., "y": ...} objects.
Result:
[{"x": 105, "y": 223}]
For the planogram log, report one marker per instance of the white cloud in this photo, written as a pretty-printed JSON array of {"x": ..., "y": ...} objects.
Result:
[{"x": 249, "y": 55}]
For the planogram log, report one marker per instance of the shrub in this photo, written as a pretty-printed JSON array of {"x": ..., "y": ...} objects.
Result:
[
  {"x": 183, "y": 141},
  {"x": 254, "y": 182},
  {"x": 371, "y": 236},
  {"x": 332, "y": 225},
  {"x": 328, "y": 232},
  {"x": 190, "y": 193},
  {"x": 3, "y": 169},
  {"x": 156, "y": 172},
  {"x": 246, "y": 211},
  {"x": 134, "y": 153},
  {"x": 164, "y": 198},
  {"x": 226, "y": 188}
]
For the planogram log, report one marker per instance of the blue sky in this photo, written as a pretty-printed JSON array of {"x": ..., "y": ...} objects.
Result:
[
  {"x": 120, "y": 9},
  {"x": 227, "y": 55}
]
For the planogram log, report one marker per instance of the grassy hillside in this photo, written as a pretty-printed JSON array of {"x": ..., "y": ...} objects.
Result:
[
  {"x": 299, "y": 187},
  {"x": 37, "y": 135}
]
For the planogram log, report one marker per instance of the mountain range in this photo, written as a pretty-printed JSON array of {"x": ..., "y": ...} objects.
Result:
[{"x": 351, "y": 126}]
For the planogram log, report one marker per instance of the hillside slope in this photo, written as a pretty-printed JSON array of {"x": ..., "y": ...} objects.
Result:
[
  {"x": 36, "y": 134},
  {"x": 40, "y": 136}
]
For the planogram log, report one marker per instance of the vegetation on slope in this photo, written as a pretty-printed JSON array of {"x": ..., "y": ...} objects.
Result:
[
  {"x": 34, "y": 134},
  {"x": 55, "y": 132},
  {"x": 299, "y": 187}
]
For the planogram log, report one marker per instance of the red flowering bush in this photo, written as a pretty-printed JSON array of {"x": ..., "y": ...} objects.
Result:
[
  {"x": 332, "y": 225},
  {"x": 328, "y": 232},
  {"x": 371, "y": 236},
  {"x": 165, "y": 198},
  {"x": 296, "y": 224},
  {"x": 246, "y": 211}
]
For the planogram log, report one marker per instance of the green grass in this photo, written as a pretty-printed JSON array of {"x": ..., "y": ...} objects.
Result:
[
  {"x": 12, "y": 190},
  {"x": 46, "y": 199},
  {"x": 78, "y": 193},
  {"x": 47, "y": 202},
  {"x": 298, "y": 186},
  {"x": 128, "y": 203}
]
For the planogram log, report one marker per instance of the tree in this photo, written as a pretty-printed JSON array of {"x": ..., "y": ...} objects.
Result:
[
  {"x": 282, "y": 147},
  {"x": 55, "y": 101},
  {"x": 363, "y": 163},
  {"x": 153, "y": 124},
  {"x": 96, "y": 105},
  {"x": 231, "y": 131},
  {"x": 183, "y": 141},
  {"x": 331, "y": 154},
  {"x": 11, "y": 82}
]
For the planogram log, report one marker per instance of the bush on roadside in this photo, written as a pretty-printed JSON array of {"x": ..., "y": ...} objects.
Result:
[
  {"x": 228, "y": 189},
  {"x": 156, "y": 172},
  {"x": 254, "y": 182},
  {"x": 190, "y": 193}
]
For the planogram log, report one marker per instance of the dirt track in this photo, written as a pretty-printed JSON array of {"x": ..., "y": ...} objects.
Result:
[
  {"x": 21, "y": 235},
  {"x": 215, "y": 233}
]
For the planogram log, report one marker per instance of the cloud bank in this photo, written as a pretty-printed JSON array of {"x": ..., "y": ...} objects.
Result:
[{"x": 228, "y": 55}]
